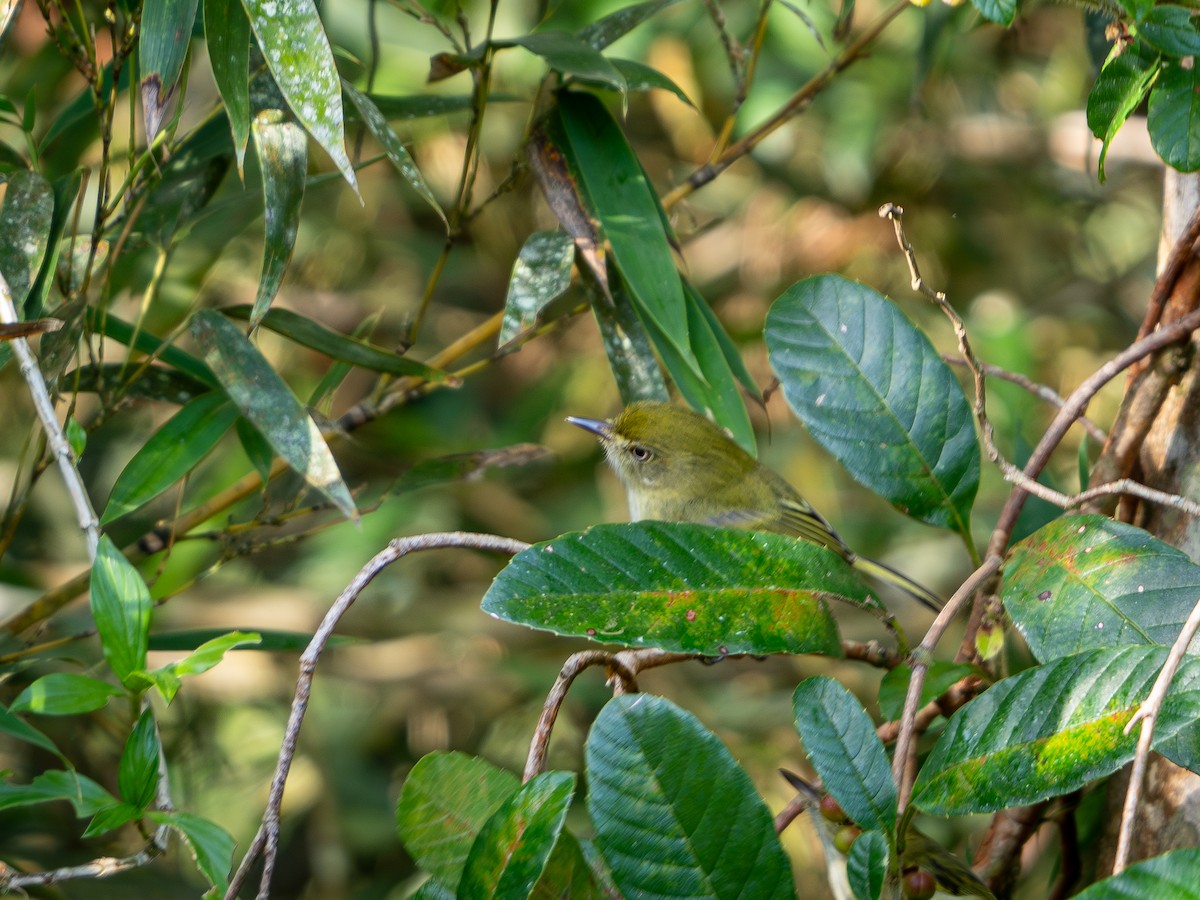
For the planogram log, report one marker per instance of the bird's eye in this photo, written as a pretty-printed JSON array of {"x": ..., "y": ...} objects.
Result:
[{"x": 640, "y": 453}]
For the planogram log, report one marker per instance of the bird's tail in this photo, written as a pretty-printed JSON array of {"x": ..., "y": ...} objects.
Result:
[{"x": 903, "y": 582}]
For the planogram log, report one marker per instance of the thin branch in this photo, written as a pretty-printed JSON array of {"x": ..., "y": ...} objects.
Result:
[
  {"x": 1041, "y": 391},
  {"x": 1146, "y": 714},
  {"x": 266, "y": 841},
  {"x": 59, "y": 445},
  {"x": 103, "y": 867},
  {"x": 905, "y": 745},
  {"x": 1169, "y": 276}
]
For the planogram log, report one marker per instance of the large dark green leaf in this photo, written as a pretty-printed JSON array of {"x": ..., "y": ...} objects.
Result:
[
  {"x": 844, "y": 749},
  {"x": 171, "y": 453},
  {"x": 604, "y": 31},
  {"x": 163, "y": 36},
  {"x": 298, "y": 54},
  {"x": 875, "y": 393},
  {"x": 687, "y": 588},
  {"x": 1174, "y": 116},
  {"x": 675, "y": 815},
  {"x": 445, "y": 802},
  {"x": 1171, "y": 29},
  {"x": 513, "y": 847},
  {"x": 1050, "y": 730},
  {"x": 227, "y": 31},
  {"x": 630, "y": 353},
  {"x": 121, "y": 607},
  {"x": 1087, "y": 581},
  {"x": 264, "y": 399},
  {"x": 25, "y": 222},
  {"x": 1171, "y": 875}
]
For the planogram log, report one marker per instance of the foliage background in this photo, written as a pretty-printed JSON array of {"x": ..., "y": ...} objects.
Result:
[{"x": 975, "y": 130}]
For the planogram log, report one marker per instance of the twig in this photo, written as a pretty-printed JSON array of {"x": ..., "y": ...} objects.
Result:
[
  {"x": 623, "y": 668},
  {"x": 1042, "y": 391},
  {"x": 103, "y": 867},
  {"x": 1146, "y": 714},
  {"x": 1171, "y": 270},
  {"x": 59, "y": 445},
  {"x": 920, "y": 656},
  {"x": 266, "y": 841},
  {"x": 1075, "y": 406}
]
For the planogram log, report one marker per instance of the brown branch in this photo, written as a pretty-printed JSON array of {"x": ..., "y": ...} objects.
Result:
[{"x": 266, "y": 841}]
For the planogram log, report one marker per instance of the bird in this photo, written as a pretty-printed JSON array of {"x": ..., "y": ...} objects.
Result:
[{"x": 678, "y": 466}]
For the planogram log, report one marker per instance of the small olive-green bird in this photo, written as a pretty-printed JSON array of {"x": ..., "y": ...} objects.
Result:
[{"x": 677, "y": 466}]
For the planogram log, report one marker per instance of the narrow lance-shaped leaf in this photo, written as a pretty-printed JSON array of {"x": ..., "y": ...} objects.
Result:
[
  {"x": 875, "y": 393},
  {"x": 686, "y": 588},
  {"x": 283, "y": 158},
  {"x": 211, "y": 845},
  {"x": 570, "y": 55},
  {"x": 164, "y": 33},
  {"x": 227, "y": 31},
  {"x": 541, "y": 274},
  {"x": 85, "y": 795},
  {"x": 1052, "y": 729},
  {"x": 25, "y": 222},
  {"x": 137, "y": 774},
  {"x": 1087, "y": 581},
  {"x": 121, "y": 607},
  {"x": 65, "y": 694},
  {"x": 513, "y": 847},
  {"x": 392, "y": 146},
  {"x": 604, "y": 31},
  {"x": 846, "y": 752},
  {"x": 171, "y": 453},
  {"x": 298, "y": 54},
  {"x": 630, "y": 353},
  {"x": 269, "y": 404},
  {"x": 675, "y": 815}
]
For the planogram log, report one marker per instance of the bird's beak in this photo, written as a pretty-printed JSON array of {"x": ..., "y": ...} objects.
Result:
[{"x": 598, "y": 427}]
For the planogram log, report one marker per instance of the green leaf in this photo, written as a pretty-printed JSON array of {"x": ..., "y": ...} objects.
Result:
[
  {"x": 541, "y": 274},
  {"x": 866, "y": 865},
  {"x": 25, "y": 222},
  {"x": 139, "y": 339},
  {"x": 513, "y": 847},
  {"x": 939, "y": 678},
  {"x": 675, "y": 815},
  {"x": 1002, "y": 12},
  {"x": 570, "y": 55},
  {"x": 297, "y": 52},
  {"x": 211, "y": 845},
  {"x": 163, "y": 36},
  {"x": 202, "y": 659},
  {"x": 844, "y": 749},
  {"x": 307, "y": 333},
  {"x": 567, "y": 874},
  {"x": 137, "y": 774},
  {"x": 1171, "y": 29},
  {"x": 640, "y": 77},
  {"x": 1087, "y": 581},
  {"x": 686, "y": 588},
  {"x": 76, "y": 436},
  {"x": 149, "y": 383},
  {"x": 21, "y": 730},
  {"x": 270, "y": 405},
  {"x": 392, "y": 146},
  {"x": 1173, "y": 875},
  {"x": 875, "y": 393},
  {"x": 65, "y": 694},
  {"x": 722, "y": 369},
  {"x": 121, "y": 607},
  {"x": 227, "y": 31},
  {"x": 1174, "y": 116},
  {"x": 256, "y": 448},
  {"x": 445, "y": 802},
  {"x": 604, "y": 31},
  {"x": 1052, "y": 729},
  {"x": 1118, "y": 91},
  {"x": 194, "y": 638},
  {"x": 622, "y": 199},
  {"x": 171, "y": 453},
  {"x": 283, "y": 158},
  {"x": 630, "y": 353},
  {"x": 112, "y": 817},
  {"x": 85, "y": 795}
]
